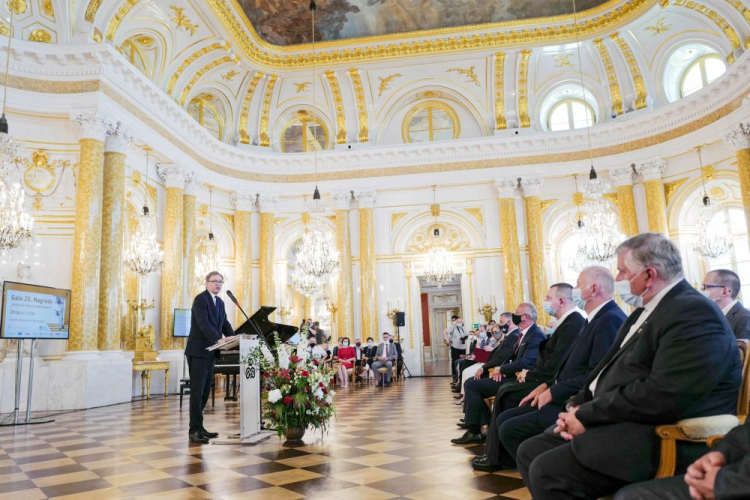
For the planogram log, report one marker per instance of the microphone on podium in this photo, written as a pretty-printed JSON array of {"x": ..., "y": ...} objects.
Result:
[{"x": 234, "y": 299}]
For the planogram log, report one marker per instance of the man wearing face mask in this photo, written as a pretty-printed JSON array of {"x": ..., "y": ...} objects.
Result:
[
  {"x": 674, "y": 358},
  {"x": 558, "y": 304},
  {"x": 455, "y": 337},
  {"x": 540, "y": 408},
  {"x": 722, "y": 286},
  {"x": 487, "y": 353},
  {"x": 525, "y": 352}
]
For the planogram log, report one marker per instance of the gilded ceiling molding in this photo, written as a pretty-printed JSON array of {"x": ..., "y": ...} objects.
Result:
[
  {"x": 338, "y": 105},
  {"x": 121, "y": 13},
  {"x": 720, "y": 22},
  {"x": 359, "y": 94},
  {"x": 609, "y": 68},
  {"x": 191, "y": 59},
  {"x": 91, "y": 10},
  {"x": 244, "y": 135},
  {"x": 639, "y": 84},
  {"x": 48, "y": 8},
  {"x": 671, "y": 188},
  {"x": 520, "y": 33},
  {"x": 197, "y": 76},
  {"x": 265, "y": 139},
  {"x": 745, "y": 14},
  {"x": 500, "y": 122},
  {"x": 523, "y": 89}
]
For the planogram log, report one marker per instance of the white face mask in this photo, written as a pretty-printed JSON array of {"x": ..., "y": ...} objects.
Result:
[
  {"x": 578, "y": 299},
  {"x": 369, "y": 344},
  {"x": 548, "y": 308},
  {"x": 707, "y": 294},
  {"x": 622, "y": 288},
  {"x": 482, "y": 335}
]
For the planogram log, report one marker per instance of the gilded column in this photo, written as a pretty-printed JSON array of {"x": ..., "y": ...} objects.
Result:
[
  {"x": 656, "y": 205},
  {"x": 534, "y": 235},
  {"x": 114, "y": 218},
  {"x": 267, "y": 206},
  {"x": 739, "y": 138},
  {"x": 171, "y": 275},
  {"x": 189, "y": 207},
  {"x": 368, "y": 281},
  {"x": 345, "y": 299},
  {"x": 623, "y": 179},
  {"x": 129, "y": 322},
  {"x": 506, "y": 189},
  {"x": 87, "y": 245},
  {"x": 243, "y": 205}
]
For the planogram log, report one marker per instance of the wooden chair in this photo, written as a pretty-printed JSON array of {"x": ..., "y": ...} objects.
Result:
[{"x": 706, "y": 429}]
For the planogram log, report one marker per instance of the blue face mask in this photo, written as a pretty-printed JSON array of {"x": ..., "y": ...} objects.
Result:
[{"x": 578, "y": 299}]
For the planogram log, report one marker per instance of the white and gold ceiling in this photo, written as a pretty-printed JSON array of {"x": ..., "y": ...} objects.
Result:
[{"x": 489, "y": 72}]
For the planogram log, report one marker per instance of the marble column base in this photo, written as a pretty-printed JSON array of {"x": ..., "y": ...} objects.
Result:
[{"x": 83, "y": 380}]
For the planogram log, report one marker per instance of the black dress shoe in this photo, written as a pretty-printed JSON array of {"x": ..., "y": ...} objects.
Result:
[
  {"x": 456, "y": 390},
  {"x": 468, "y": 438},
  {"x": 480, "y": 459},
  {"x": 485, "y": 467},
  {"x": 198, "y": 437},
  {"x": 209, "y": 435},
  {"x": 461, "y": 420},
  {"x": 463, "y": 425}
]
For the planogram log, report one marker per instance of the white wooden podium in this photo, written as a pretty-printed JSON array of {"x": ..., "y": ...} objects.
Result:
[{"x": 250, "y": 392}]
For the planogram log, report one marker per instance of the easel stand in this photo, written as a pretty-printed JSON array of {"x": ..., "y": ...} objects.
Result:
[
  {"x": 403, "y": 360},
  {"x": 19, "y": 374},
  {"x": 250, "y": 401}
]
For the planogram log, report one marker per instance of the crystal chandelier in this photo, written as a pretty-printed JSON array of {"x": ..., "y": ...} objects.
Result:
[
  {"x": 317, "y": 258},
  {"x": 207, "y": 252},
  {"x": 713, "y": 238},
  {"x": 16, "y": 225},
  {"x": 144, "y": 256},
  {"x": 438, "y": 270}
]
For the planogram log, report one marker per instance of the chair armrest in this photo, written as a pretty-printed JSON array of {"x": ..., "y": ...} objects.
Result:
[
  {"x": 713, "y": 440},
  {"x": 696, "y": 430}
]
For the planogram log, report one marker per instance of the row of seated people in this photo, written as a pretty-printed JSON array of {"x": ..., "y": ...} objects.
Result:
[
  {"x": 364, "y": 361},
  {"x": 576, "y": 412}
]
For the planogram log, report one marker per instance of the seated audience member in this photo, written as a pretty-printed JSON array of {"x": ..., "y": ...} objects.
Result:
[
  {"x": 722, "y": 286},
  {"x": 347, "y": 356},
  {"x": 360, "y": 359},
  {"x": 505, "y": 323},
  {"x": 370, "y": 350},
  {"x": 471, "y": 343},
  {"x": 558, "y": 304},
  {"x": 385, "y": 356},
  {"x": 482, "y": 355},
  {"x": 539, "y": 410},
  {"x": 524, "y": 355},
  {"x": 723, "y": 474},
  {"x": 675, "y": 357},
  {"x": 316, "y": 351}
]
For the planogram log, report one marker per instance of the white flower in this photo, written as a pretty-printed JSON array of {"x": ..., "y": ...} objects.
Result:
[
  {"x": 283, "y": 358},
  {"x": 302, "y": 349},
  {"x": 266, "y": 353},
  {"x": 274, "y": 396},
  {"x": 318, "y": 393},
  {"x": 329, "y": 399},
  {"x": 333, "y": 393}
]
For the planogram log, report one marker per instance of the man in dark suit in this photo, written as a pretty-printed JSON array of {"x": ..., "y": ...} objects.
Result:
[
  {"x": 723, "y": 473},
  {"x": 208, "y": 324},
  {"x": 559, "y": 304},
  {"x": 675, "y": 357},
  {"x": 540, "y": 409},
  {"x": 722, "y": 286},
  {"x": 525, "y": 352}
]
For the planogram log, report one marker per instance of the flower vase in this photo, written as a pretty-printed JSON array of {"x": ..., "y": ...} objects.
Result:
[{"x": 295, "y": 433}]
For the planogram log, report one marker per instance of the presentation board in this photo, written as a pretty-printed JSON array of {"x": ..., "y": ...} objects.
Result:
[
  {"x": 34, "y": 312},
  {"x": 181, "y": 326}
]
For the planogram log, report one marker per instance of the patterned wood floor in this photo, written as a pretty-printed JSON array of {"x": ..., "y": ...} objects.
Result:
[{"x": 385, "y": 443}]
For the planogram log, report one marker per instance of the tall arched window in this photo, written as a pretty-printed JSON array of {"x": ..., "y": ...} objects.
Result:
[
  {"x": 700, "y": 73},
  {"x": 304, "y": 133},
  {"x": 568, "y": 107},
  {"x": 431, "y": 121},
  {"x": 206, "y": 110},
  {"x": 738, "y": 258}
]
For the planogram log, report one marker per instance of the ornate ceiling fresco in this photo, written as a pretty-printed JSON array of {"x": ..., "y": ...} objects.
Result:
[{"x": 287, "y": 22}]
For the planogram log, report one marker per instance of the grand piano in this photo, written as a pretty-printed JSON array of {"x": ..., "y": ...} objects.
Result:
[{"x": 258, "y": 324}]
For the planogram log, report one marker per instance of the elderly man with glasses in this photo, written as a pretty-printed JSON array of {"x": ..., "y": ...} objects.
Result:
[{"x": 208, "y": 325}]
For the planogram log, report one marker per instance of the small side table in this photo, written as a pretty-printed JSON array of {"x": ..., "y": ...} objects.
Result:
[{"x": 146, "y": 367}]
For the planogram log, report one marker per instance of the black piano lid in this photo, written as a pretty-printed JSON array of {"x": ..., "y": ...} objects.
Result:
[{"x": 260, "y": 325}]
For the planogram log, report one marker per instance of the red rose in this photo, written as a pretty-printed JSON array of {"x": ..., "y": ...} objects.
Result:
[
  {"x": 305, "y": 373},
  {"x": 287, "y": 400},
  {"x": 321, "y": 384},
  {"x": 294, "y": 359},
  {"x": 325, "y": 391},
  {"x": 316, "y": 362},
  {"x": 266, "y": 374}
]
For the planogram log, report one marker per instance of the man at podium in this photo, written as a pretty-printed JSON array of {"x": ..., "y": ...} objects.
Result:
[{"x": 208, "y": 323}]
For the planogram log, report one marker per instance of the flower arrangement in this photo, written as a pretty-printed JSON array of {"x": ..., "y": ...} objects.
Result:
[{"x": 296, "y": 390}]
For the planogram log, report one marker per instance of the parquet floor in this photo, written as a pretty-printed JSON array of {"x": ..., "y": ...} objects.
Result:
[{"x": 385, "y": 443}]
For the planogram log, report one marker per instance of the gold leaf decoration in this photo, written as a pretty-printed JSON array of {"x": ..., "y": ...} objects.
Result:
[
  {"x": 670, "y": 188},
  {"x": 229, "y": 218},
  {"x": 40, "y": 35},
  {"x": 658, "y": 28},
  {"x": 229, "y": 75},
  {"x": 563, "y": 61},
  {"x": 47, "y": 8},
  {"x": 279, "y": 221},
  {"x": 477, "y": 213},
  {"x": 182, "y": 22},
  {"x": 301, "y": 87},
  {"x": 718, "y": 194},
  {"x": 91, "y": 10},
  {"x": 611, "y": 197},
  {"x": 396, "y": 218},
  {"x": 545, "y": 204},
  {"x": 385, "y": 83},
  {"x": 471, "y": 76},
  {"x": 709, "y": 172}
]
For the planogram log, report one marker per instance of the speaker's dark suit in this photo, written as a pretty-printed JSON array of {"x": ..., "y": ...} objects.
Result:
[
  {"x": 511, "y": 392},
  {"x": 523, "y": 357},
  {"x": 515, "y": 425},
  {"x": 682, "y": 362},
  {"x": 739, "y": 320},
  {"x": 207, "y": 325}
]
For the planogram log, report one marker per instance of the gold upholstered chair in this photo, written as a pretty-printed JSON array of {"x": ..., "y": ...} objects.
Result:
[{"x": 704, "y": 429}]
